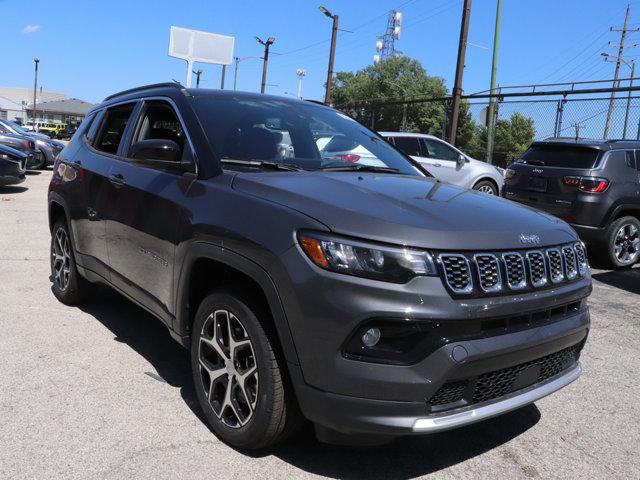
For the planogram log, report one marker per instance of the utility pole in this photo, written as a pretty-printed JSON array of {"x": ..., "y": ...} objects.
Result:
[
  {"x": 265, "y": 60},
  {"x": 35, "y": 90},
  {"x": 198, "y": 73},
  {"x": 457, "y": 88},
  {"x": 616, "y": 83},
  {"x": 494, "y": 69},
  {"x": 626, "y": 111},
  {"x": 332, "y": 54},
  {"x": 224, "y": 74}
]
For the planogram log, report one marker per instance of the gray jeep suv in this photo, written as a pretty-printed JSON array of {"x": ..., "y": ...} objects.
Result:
[{"x": 372, "y": 300}]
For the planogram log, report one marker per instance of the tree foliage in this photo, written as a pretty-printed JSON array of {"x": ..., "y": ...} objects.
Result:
[
  {"x": 365, "y": 95},
  {"x": 362, "y": 95}
]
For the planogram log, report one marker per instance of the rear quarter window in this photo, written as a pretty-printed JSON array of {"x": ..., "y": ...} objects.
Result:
[{"x": 561, "y": 156}]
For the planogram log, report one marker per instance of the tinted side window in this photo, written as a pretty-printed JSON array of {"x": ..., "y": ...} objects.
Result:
[
  {"x": 113, "y": 127},
  {"x": 439, "y": 150},
  {"x": 89, "y": 125},
  {"x": 408, "y": 145},
  {"x": 158, "y": 121},
  {"x": 630, "y": 159}
]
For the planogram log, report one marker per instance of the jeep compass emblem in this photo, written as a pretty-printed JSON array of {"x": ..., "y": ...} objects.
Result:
[
  {"x": 531, "y": 239},
  {"x": 538, "y": 170}
]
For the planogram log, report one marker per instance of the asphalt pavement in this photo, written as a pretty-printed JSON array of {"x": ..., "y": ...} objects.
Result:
[{"x": 102, "y": 391}]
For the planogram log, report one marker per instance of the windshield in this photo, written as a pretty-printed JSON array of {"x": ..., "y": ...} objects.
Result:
[
  {"x": 300, "y": 134},
  {"x": 560, "y": 156},
  {"x": 13, "y": 126}
]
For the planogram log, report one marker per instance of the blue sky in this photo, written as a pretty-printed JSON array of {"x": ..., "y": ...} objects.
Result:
[{"x": 91, "y": 49}]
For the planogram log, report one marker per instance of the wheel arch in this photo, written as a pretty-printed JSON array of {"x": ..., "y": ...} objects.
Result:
[
  {"x": 56, "y": 210},
  {"x": 206, "y": 267}
]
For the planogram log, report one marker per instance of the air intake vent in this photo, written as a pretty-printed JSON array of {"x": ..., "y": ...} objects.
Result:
[
  {"x": 537, "y": 268},
  {"x": 488, "y": 272},
  {"x": 457, "y": 272},
  {"x": 570, "y": 267},
  {"x": 516, "y": 277},
  {"x": 555, "y": 265}
]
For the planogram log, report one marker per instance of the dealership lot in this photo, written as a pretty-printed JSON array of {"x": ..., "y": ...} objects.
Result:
[{"x": 103, "y": 392}]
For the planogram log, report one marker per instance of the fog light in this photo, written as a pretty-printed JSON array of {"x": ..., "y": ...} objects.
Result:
[{"x": 371, "y": 337}]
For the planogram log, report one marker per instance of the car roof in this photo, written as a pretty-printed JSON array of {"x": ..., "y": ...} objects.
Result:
[
  {"x": 597, "y": 144},
  {"x": 171, "y": 89},
  {"x": 409, "y": 134}
]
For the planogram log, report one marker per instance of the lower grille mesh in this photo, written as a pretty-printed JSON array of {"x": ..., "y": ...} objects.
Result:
[{"x": 493, "y": 385}]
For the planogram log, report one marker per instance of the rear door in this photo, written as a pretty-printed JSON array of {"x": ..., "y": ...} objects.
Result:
[{"x": 146, "y": 215}]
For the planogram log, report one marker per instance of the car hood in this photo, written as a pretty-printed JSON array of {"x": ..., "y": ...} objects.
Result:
[{"x": 413, "y": 211}]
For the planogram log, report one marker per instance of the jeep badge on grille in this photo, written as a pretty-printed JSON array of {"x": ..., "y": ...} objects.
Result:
[{"x": 529, "y": 239}]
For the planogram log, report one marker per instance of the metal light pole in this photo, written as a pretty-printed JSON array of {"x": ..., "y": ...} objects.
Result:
[
  {"x": 198, "y": 73},
  {"x": 494, "y": 69},
  {"x": 334, "y": 34},
  {"x": 35, "y": 90},
  {"x": 300, "y": 72},
  {"x": 265, "y": 60},
  {"x": 457, "y": 87},
  {"x": 237, "y": 62}
]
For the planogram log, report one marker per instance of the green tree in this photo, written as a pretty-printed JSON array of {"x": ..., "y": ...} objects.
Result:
[
  {"x": 362, "y": 94},
  {"x": 513, "y": 137}
]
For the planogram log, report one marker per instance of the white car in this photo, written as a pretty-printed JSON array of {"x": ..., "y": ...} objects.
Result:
[
  {"x": 447, "y": 163},
  {"x": 342, "y": 150}
]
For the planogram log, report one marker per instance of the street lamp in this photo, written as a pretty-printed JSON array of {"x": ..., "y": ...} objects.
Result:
[
  {"x": 300, "y": 72},
  {"x": 197, "y": 73},
  {"x": 265, "y": 59},
  {"x": 334, "y": 34},
  {"x": 237, "y": 61},
  {"x": 36, "y": 61}
]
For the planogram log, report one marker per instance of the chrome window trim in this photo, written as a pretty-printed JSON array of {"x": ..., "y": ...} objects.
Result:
[
  {"x": 498, "y": 286},
  {"x": 545, "y": 279},
  {"x": 522, "y": 284},
  {"x": 469, "y": 288},
  {"x": 560, "y": 278}
]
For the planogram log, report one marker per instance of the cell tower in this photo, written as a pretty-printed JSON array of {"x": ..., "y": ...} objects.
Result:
[{"x": 385, "y": 45}]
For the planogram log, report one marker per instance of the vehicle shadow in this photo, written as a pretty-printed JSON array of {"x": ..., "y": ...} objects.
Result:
[
  {"x": 149, "y": 337},
  {"x": 33, "y": 173},
  {"x": 628, "y": 280},
  {"x": 13, "y": 189},
  {"x": 405, "y": 458}
]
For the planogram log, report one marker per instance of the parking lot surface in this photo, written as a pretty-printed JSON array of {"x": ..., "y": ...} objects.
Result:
[{"x": 102, "y": 391}]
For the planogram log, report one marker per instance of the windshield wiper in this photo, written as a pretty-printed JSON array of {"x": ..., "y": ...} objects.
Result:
[
  {"x": 263, "y": 164},
  {"x": 359, "y": 168}
]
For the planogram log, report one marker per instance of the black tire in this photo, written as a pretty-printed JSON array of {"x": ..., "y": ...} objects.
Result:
[
  {"x": 486, "y": 186},
  {"x": 43, "y": 164},
  {"x": 618, "y": 260},
  {"x": 275, "y": 414},
  {"x": 75, "y": 289}
]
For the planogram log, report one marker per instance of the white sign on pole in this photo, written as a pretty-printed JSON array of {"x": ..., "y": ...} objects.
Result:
[{"x": 196, "y": 46}]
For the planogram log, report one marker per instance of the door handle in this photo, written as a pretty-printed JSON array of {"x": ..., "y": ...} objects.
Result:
[{"x": 117, "y": 180}]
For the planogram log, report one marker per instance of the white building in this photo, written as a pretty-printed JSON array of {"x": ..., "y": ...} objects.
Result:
[{"x": 16, "y": 103}]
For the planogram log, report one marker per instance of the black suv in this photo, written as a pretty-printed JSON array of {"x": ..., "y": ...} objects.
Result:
[
  {"x": 368, "y": 298},
  {"x": 594, "y": 185}
]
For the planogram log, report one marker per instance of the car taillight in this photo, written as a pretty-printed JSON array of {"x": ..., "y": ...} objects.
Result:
[
  {"x": 587, "y": 184},
  {"x": 349, "y": 157},
  {"x": 25, "y": 144}
]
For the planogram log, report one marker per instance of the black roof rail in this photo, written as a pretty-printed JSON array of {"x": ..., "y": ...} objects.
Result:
[
  {"x": 319, "y": 102},
  {"x": 145, "y": 87}
]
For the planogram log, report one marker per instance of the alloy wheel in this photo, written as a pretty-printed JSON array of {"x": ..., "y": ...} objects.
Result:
[
  {"x": 228, "y": 368},
  {"x": 488, "y": 189},
  {"x": 61, "y": 259},
  {"x": 627, "y": 244}
]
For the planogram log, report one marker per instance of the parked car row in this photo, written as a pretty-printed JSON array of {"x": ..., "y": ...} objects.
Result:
[{"x": 40, "y": 149}]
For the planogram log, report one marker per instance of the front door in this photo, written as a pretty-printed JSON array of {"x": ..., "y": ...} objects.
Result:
[
  {"x": 146, "y": 216},
  {"x": 445, "y": 160}
]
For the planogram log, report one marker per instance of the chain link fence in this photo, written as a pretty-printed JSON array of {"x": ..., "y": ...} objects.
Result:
[{"x": 518, "y": 121}]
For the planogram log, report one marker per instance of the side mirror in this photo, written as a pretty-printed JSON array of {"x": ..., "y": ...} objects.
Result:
[
  {"x": 461, "y": 161},
  {"x": 156, "y": 150}
]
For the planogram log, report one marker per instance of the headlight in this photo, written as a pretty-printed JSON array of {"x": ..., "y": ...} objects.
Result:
[
  {"x": 500, "y": 170},
  {"x": 364, "y": 259}
]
